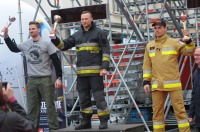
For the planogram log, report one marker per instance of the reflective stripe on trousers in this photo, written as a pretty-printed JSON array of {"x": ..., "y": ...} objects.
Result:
[{"x": 88, "y": 110}]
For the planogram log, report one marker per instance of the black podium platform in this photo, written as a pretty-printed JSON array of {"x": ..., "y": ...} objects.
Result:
[{"x": 111, "y": 128}]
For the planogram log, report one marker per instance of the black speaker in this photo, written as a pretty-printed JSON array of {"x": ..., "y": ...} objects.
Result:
[
  {"x": 193, "y": 4},
  {"x": 74, "y": 14}
]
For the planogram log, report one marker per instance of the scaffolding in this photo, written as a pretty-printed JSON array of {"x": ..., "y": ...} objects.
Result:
[{"x": 123, "y": 83}]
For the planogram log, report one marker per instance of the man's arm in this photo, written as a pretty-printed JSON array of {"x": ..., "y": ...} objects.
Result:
[
  {"x": 188, "y": 47},
  {"x": 65, "y": 44},
  {"x": 14, "y": 106},
  {"x": 11, "y": 45},
  {"x": 57, "y": 64},
  {"x": 147, "y": 71},
  {"x": 103, "y": 42}
]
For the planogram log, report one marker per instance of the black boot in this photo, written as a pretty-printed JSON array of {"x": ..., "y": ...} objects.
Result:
[
  {"x": 103, "y": 121},
  {"x": 103, "y": 125},
  {"x": 85, "y": 122}
]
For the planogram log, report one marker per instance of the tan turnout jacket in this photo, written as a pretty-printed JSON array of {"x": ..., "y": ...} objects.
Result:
[{"x": 161, "y": 62}]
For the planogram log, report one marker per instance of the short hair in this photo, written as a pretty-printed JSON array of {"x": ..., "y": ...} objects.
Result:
[
  {"x": 198, "y": 47},
  {"x": 34, "y": 23},
  {"x": 2, "y": 101},
  {"x": 84, "y": 12}
]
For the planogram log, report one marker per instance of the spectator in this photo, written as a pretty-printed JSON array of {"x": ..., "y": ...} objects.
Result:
[
  {"x": 13, "y": 117},
  {"x": 194, "y": 114}
]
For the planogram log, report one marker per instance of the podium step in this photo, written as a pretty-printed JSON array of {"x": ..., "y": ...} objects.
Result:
[{"x": 111, "y": 128}]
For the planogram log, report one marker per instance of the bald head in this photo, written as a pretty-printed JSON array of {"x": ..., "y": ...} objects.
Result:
[{"x": 197, "y": 55}]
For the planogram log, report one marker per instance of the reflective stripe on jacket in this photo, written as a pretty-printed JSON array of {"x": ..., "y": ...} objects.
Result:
[{"x": 161, "y": 62}]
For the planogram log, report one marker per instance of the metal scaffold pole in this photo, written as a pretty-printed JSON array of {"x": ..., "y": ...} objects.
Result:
[
  {"x": 22, "y": 54},
  {"x": 124, "y": 72},
  {"x": 196, "y": 25},
  {"x": 129, "y": 18}
]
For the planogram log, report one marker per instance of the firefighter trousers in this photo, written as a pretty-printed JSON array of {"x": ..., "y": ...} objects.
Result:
[
  {"x": 86, "y": 86},
  {"x": 158, "y": 98}
]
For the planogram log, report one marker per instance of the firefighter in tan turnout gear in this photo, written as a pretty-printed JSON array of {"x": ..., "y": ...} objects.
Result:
[
  {"x": 161, "y": 71},
  {"x": 93, "y": 53}
]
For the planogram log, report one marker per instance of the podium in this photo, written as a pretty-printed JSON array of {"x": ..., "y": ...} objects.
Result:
[{"x": 111, "y": 128}]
